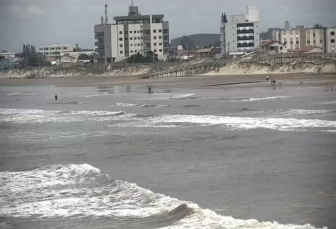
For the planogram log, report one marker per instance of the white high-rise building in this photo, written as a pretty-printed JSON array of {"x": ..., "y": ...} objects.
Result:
[
  {"x": 132, "y": 34},
  {"x": 240, "y": 33}
]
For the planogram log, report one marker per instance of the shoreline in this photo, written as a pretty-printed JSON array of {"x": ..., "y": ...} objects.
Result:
[{"x": 200, "y": 81}]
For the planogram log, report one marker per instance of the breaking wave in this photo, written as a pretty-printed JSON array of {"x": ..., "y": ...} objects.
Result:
[
  {"x": 262, "y": 98},
  {"x": 77, "y": 191},
  {"x": 137, "y": 105},
  {"x": 42, "y": 116}
]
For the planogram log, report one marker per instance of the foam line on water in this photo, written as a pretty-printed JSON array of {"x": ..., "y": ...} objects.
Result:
[{"x": 72, "y": 191}]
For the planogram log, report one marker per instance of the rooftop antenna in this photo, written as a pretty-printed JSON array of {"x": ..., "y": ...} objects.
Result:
[
  {"x": 132, "y": 3},
  {"x": 106, "y": 17}
]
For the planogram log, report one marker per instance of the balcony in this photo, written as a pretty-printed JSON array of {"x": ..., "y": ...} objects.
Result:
[
  {"x": 99, "y": 43},
  {"x": 245, "y": 31},
  {"x": 245, "y": 38}
]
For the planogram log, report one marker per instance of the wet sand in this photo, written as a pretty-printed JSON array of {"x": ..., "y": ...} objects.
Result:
[{"x": 181, "y": 82}]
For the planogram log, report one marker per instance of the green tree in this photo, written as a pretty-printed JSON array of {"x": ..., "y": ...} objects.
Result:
[{"x": 317, "y": 26}]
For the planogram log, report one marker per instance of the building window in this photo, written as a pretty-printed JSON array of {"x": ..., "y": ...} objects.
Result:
[
  {"x": 126, "y": 38},
  {"x": 131, "y": 38},
  {"x": 321, "y": 41},
  {"x": 314, "y": 41},
  {"x": 154, "y": 37},
  {"x": 138, "y": 38},
  {"x": 141, "y": 31},
  {"x": 280, "y": 47},
  {"x": 138, "y": 31},
  {"x": 134, "y": 31},
  {"x": 291, "y": 42},
  {"x": 154, "y": 31},
  {"x": 65, "y": 48},
  {"x": 131, "y": 44},
  {"x": 160, "y": 44},
  {"x": 332, "y": 41},
  {"x": 308, "y": 42},
  {"x": 120, "y": 39},
  {"x": 160, "y": 37},
  {"x": 160, "y": 50},
  {"x": 155, "y": 50},
  {"x": 134, "y": 38},
  {"x": 130, "y": 31},
  {"x": 121, "y": 45},
  {"x": 314, "y": 34},
  {"x": 297, "y": 42},
  {"x": 154, "y": 44},
  {"x": 138, "y": 44},
  {"x": 160, "y": 30},
  {"x": 121, "y": 52},
  {"x": 332, "y": 33},
  {"x": 131, "y": 51},
  {"x": 120, "y": 32}
]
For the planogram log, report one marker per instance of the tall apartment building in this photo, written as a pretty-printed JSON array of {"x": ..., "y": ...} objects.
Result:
[
  {"x": 240, "y": 33},
  {"x": 302, "y": 39},
  {"x": 331, "y": 40},
  {"x": 132, "y": 34},
  {"x": 55, "y": 50}
]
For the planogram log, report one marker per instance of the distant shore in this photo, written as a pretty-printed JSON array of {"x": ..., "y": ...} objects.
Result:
[{"x": 200, "y": 81}]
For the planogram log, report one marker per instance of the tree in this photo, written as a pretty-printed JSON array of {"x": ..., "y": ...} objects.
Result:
[
  {"x": 31, "y": 57},
  {"x": 77, "y": 48},
  {"x": 83, "y": 57},
  {"x": 317, "y": 26}
]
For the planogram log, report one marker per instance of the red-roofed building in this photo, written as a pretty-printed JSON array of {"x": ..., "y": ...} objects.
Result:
[{"x": 274, "y": 46}]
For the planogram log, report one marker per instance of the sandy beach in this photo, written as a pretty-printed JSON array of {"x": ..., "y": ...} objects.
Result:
[{"x": 207, "y": 81}]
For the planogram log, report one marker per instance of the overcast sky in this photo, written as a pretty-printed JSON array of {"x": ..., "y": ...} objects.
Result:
[{"x": 44, "y": 22}]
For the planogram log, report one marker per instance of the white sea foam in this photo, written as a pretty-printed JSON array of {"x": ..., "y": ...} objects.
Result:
[
  {"x": 137, "y": 105},
  {"x": 73, "y": 191},
  {"x": 288, "y": 112},
  {"x": 42, "y": 116},
  {"x": 183, "y": 96},
  {"x": 282, "y": 124},
  {"x": 262, "y": 98}
]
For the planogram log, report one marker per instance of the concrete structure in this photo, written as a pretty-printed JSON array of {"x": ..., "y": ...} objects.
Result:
[
  {"x": 274, "y": 46},
  {"x": 132, "y": 34},
  {"x": 300, "y": 38},
  {"x": 331, "y": 40},
  {"x": 55, "y": 50},
  {"x": 240, "y": 33}
]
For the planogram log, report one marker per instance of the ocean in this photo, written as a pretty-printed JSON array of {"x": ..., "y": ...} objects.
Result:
[{"x": 117, "y": 157}]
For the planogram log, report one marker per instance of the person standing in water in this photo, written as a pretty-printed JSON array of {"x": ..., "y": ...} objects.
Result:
[
  {"x": 149, "y": 90},
  {"x": 55, "y": 97},
  {"x": 266, "y": 78}
]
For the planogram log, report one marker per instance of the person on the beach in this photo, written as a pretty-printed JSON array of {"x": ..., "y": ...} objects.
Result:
[
  {"x": 266, "y": 78},
  {"x": 55, "y": 97},
  {"x": 149, "y": 90}
]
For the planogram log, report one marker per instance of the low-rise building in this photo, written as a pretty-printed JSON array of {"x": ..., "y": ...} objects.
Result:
[
  {"x": 274, "y": 46},
  {"x": 65, "y": 59},
  {"x": 55, "y": 50},
  {"x": 331, "y": 40},
  {"x": 300, "y": 38}
]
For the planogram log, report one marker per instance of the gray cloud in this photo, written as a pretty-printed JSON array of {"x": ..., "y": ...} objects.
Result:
[{"x": 43, "y": 22}]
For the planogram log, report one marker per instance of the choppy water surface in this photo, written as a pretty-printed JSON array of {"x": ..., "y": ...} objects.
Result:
[{"x": 116, "y": 157}]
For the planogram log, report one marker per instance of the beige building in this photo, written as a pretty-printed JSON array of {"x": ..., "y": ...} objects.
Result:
[
  {"x": 331, "y": 40},
  {"x": 55, "y": 50},
  {"x": 132, "y": 34},
  {"x": 301, "y": 39}
]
